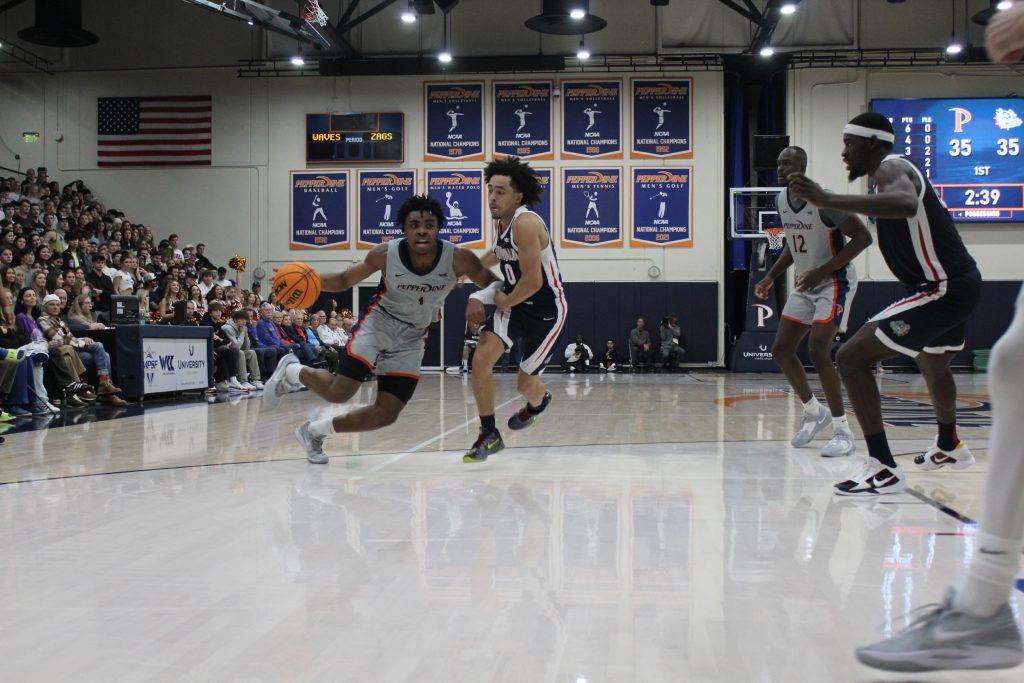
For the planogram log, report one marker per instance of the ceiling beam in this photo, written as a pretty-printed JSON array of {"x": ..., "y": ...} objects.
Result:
[
  {"x": 10, "y": 4},
  {"x": 352, "y": 23},
  {"x": 750, "y": 13}
]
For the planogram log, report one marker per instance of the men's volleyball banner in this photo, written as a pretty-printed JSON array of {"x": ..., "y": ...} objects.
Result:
[
  {"x": 592, "y": 207},
  {"x": 523, "y": 119},
  {"x": 453, "y": 116},
  {"x": 591, "y": 119},
  {"x": 380, "y": 195},
  {"x": 319, "y": 210},
  {"x": 545, "y": 207},
  {"x": 662, "y": 207},
  {"x": 662, "y": 118},
  {"x": 461, "y": 194}
]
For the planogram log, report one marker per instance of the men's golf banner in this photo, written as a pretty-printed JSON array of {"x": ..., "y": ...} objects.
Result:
[
  {"x": 591, "y": 207},
  {"x": 319, "y": 210},
  {"x": 380, "y": 195},
  {"x": 461, "y": 194},
  {"x": 662, "y": 114},
  {"x": 453, "y": 119},
  {"x": 662, "y": 207},
  {"x": 591, "y": 119},
  {"x": 523, "y": 119}
]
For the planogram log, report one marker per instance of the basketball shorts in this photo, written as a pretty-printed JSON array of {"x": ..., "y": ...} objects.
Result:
[
  {"x": 385, "y": 346},
  {"x": 830, "y": 302},
  {"x": 534, "y": 331},
  {"x": 932, "y": 319}
]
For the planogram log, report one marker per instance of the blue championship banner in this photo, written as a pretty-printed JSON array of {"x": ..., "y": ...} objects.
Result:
[
  {"x": 453, "y": 121},
  {"x": 319, "y": 210},
  {"x": 662, "y": 115},
  {"x": 380, "y": 195},
  {"x": 662, "y": 201},
  {"x": 545, "y": 207},
  {"x": 591, "y": 207},
  {"x": 461, "y": 194},
  {"x": 591, "y": 119},
  {"x": 523, "y": 119}
]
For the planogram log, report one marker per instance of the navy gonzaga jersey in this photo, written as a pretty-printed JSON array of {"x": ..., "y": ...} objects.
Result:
[
  {"x": 927, "y": 247},
  {"x": 550, "y": 295}
]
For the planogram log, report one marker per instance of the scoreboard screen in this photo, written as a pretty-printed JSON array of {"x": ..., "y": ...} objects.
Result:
[
  {"x": 355, "y": 138},
  {"x": 970, "y": 149}
]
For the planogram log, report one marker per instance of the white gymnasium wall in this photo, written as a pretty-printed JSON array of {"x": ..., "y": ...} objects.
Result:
[{"x": 821, "y": 101}]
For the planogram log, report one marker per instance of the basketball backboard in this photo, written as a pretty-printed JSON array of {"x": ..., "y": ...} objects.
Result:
[
  {"x": 751, "y": 210},
  {"x": 270, "y": 18}
]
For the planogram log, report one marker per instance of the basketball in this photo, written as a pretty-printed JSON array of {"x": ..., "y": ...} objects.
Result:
[{"x": 296, "y": 285}]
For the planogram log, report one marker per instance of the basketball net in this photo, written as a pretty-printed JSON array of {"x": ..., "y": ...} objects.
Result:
[
  {"x": 776, "y": 238},
  {"x": 312, "y": 13}
]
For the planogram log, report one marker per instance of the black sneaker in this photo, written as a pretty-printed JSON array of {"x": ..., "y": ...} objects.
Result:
[
  {"x": 487, "y": 443},
  {"x": 524, "y": 418}
]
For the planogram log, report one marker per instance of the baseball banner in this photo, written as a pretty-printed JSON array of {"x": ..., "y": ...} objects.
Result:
[
  {"x": 592, "y": 207},
  {"x": 662, "y": 207},
  {"x": 319, "y": 210},
  {"x": 662, "y": 115},
  {"x": 523, "y": 119},
  {"x": 380, "y": 195},
  {"x": 591, "y": 119},
  {"x": 462, "y": 197},
  {"x": 453, "y": 121}
]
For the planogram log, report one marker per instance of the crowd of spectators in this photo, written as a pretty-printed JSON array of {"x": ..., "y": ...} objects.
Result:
[{"x": 64, "y": 255}]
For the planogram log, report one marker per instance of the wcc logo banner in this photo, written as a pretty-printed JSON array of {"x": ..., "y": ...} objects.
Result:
[
  {"x": 662, "y": 118},
  {"x": 462, "y": 198},
  {"x": 592, "y": 207},
  {"x": 319, "y": 210},
  {"x": 523, "y": 119},
  {"x": 662, "y": 207},
  {"x": 380, "y": 195},
  {"x": 453, "y": 116},
  {"x": 591, "y": 119}
]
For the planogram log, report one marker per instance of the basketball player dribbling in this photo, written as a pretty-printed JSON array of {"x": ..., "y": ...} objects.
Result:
[
  {"x": 974, "y": 626},
  {"x": 825, "y": 284},
  {"x": 530, "y": 303},
  {"x": 418, "y": 271}
]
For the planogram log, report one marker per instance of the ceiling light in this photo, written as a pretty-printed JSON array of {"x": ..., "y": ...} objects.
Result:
[
  {"x": 767, "y": 51},
  {"x": 408, "y": 17},
  {"x": 1004, "y": 4},
  {"x": 582, "y": 53},
  {"x": 297, "y": 60},
  {"x": 954, "y": 49},
  {"x": 577, "y": 13},
  {"x": 250, "y": 22},
  {"x": 788, "y": 8},
  {"x": 444, "y": 57}
]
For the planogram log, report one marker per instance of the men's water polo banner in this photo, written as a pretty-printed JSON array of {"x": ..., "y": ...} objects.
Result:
[
  {"x": 662, "y": 207},
  {"x": 319, "y": 210},
  {"x": 662, "y": 118},
  {"x": 462, "y": 197},
  {"x": 453, "y": 118},
  {"x": 592, "y": 207},
  {"x": 545, "y": 207},
  {"x": 380, "y": 195},
  {"x": 523, "y": 119},
  {"x": 591, "y": 119}
]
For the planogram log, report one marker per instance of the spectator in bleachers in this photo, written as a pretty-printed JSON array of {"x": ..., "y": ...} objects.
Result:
[
  {"x": 101, "y": 284},
  {"x": 81, "y": 313},
  {"x": 173, "y": 293},
  {"x": 610, "y": 361},
  {"x": 201, "y": 259},
  {"x": 222, "y": 277},
  {"x": 672, "y": 341},
  {"x": 640, "y": 346},
  {"x": 330, "y": 333},
  {"x": 290, "y": 333},
  {"x": 206, "y": 283},
  {"x": 578, "y": 356},
  {"x": 195, "y": 295},
  {"x": 267, "y": 335},
  {"x": 250, "y": 370},
  {"x": 38, "y": 283},
  {"x": 328, "y": 353},
  {"x": 226, "y": 359}
]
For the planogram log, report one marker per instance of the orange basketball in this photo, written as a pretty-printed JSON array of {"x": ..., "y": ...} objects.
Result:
[{"x": 296, "y": 285}]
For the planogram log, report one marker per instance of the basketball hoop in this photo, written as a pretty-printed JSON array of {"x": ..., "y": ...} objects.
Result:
[
  {"x": 776, "y": 237},
  {"x": 313, "y": 13}
]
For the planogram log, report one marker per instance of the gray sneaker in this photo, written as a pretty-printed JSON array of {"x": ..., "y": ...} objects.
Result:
[
  {"x": 277, "y": 386},
  {"x": 943, "y": 638},
  {"x": 811, "y": 425},
  {"x": 314, "y": 445},
  {"x": 840, "y": 445}
]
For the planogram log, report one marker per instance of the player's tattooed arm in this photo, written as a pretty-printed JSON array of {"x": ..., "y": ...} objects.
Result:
[
  {"x": 896, "y": 196},
  {"x": 374, "y": 261}
]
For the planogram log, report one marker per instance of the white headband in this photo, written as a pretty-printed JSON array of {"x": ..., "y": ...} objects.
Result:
[{"x": 864, "y": 132}]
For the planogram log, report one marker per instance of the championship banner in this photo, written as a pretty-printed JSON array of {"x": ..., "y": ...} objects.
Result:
[
  {"x": 662, "y": 115},
  {"x": 545, "y": 207},
  {"x": 461, "y": 194},
  {"x": 319, "y": 210},
  {"x": 592, "y": 207},
  {"x": 662, "y": 201},
  {"x": 523, "y": 119},
  {"x": 380, "y": 195},
  {"x": 591, "y": 119},
  {"x": 453, "y": 119}
]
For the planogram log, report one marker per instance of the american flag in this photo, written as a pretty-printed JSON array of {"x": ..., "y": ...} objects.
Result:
[{"x": 154, "y": 131}]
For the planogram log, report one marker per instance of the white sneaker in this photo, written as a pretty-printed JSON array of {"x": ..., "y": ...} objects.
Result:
[
  {"x": 840, "y": 445},
  {"x": 453, "y": 371},
  {"x": 811, "y": 425},
  {"x": 876, "y": 480},
  {"x": 960, "y": 458},
  {"x": 277, "y": 386},
  {"x": 235, "y": 385},
  {"x": 221, "y": 387},
  {"x": 248, "y": 387},
  {"x": 313, "y": 445},
  {"x": 258, "y": 384}
]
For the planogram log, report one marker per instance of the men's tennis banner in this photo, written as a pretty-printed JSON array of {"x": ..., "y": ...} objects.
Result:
[
  {"x": 319, "y": 203},
  {"x": 592, "y": 207},
  {"x": 453, "y": 119},
  {"x": 523, "y": 119},
  {"x": 662, "y": 207},
  {"x": 591, "y": 119},
  {"x": 380, "y": 195},
  {"x": 545, "y": 207},
  {"x": 662, "y": 115},
  {"x": 461, "y": 194}
]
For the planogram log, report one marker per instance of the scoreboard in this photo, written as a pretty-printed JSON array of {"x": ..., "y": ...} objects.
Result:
[
  {"x": 969, "y": 148},
  {"x": 355, "y": 138}
]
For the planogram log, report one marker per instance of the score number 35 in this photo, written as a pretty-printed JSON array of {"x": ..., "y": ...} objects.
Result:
[{"x": 961, "y": 147}]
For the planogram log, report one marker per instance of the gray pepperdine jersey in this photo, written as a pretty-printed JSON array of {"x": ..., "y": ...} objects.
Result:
[
  {"x": 813, "y": 235},
  {"x": 409, "y": 297}
]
